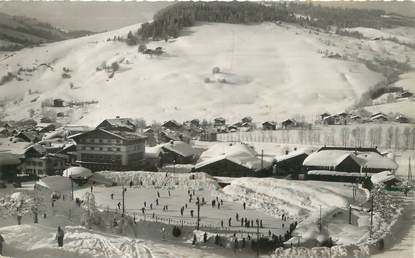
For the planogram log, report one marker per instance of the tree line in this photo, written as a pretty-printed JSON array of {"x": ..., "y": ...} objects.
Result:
[{"x": 171, "y": 20}]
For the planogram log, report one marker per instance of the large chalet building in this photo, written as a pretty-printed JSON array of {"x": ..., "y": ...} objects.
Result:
[
  {"x": 101, "y": 149},
  {"x": 113, "y": 145}
]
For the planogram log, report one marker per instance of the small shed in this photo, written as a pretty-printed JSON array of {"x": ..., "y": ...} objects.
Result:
[{"x": 58, "y": 102}]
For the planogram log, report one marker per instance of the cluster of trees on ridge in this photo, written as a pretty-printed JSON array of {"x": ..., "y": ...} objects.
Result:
[{"x": 169, "y": 21}]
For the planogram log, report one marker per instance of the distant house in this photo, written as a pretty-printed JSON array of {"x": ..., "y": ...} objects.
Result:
[
  {"x": 118, "y": 124},
  {"x": 220, "y": 121},
  {"x": 402, "y": 119},
  {"x": 195, "y": 123},
  {"x": 379, "y": 117},
  {"x": 235, "y": 160},
  {"x": 45, "y": 127},
  {"x": 329, "y": 120},
  {"x": 58, "y": 103},
  {"x": 209, "y": 135},
  {"x": 246, "y": 119},
  {"x": 324, "y": 115},
  {"x": 28, "y": 136},
  {"x": 355, "y": 118},
  {"x": 269, "y": 126},
  {"x": 405, "y": 94},
  {"x": 167, "y": 136},
  {"x": 101, "y": 149},
  {"x": 75, "y": 129},
  {"x": 289, "y": 123},
  {"x": 171, "y": 125}
]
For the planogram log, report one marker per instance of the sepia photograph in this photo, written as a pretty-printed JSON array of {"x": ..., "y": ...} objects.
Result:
[{"x": 207, "y": 129}]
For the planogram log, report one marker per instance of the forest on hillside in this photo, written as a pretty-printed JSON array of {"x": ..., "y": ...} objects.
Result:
[{"x": 169, "y": 21}]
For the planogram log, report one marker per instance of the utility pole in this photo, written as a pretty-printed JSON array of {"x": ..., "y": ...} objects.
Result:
[
  {"x": 257, "y": 239},
  {"x": 371, "y": 217},
  {"x": 198, "y": 215},
  {"x": 320, "y": 219},
  {"x": 123, "y": 200},
  {"x": 350, "y": 214},
  {"x": 70, "y": 177}
]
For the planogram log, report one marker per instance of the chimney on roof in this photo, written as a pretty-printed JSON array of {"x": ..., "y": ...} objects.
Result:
[{"x": 117, "y": 117}]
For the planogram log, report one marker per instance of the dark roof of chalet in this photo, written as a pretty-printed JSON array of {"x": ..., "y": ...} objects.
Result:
[
  {"x": 174, "y": 122},
  {"x": 30, "y": 135},
  {"x": 38, "y": 148},
  {"x": 119, "y": 122},
  {"x": 291, "y": 121},
  {"x": 359, "y": 149},
  {"x": 269, "y": 122},
  {"x": 118, "y": 134},
  {"x": 325, "y": 114},
  {"x": 219, "y": 119}
]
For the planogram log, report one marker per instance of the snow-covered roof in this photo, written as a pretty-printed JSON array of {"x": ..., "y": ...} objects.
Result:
[
  {"x": 376, "y": 160},
  {"x": 333, "y": 173},
  {"x": 56, "y": 183},
  {"x": 179, "y": 147},
  {"x": 382, "y": 177},
  {"x": 153, "y": 152},
  {"x": 330, "y": 158},
  {"x": 239, "y": 153},
  {"x": 289, "y": 155},
  {"x": 77, "y": 172}
]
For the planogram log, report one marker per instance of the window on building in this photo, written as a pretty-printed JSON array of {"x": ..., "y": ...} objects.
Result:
[
  {"x": 100, "y": 148},
  {"x": 118, "y": 149}
]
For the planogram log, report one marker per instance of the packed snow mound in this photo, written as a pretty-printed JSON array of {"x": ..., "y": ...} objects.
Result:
[
  {"x": 77, "y": 172},
  {"x": 161, "y": 179},
  {"x": 286, "y": 59},
  {"x": 55, "y": 183},
  {"x": 382, "y": 177},
  {"x": 297, "y": 199}
]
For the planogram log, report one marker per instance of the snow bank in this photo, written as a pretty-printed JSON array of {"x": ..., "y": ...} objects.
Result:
[{"x": 161, "y": 179}]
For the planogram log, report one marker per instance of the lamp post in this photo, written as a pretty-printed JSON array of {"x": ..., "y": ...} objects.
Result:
[
  {"x": 123, "y": 200},
  {"x": 70, "y": 177},
  {"x": 198, "y": 215}
]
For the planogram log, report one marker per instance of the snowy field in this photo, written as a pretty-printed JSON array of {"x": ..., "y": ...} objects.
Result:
[{"x": 286, "y": 57}]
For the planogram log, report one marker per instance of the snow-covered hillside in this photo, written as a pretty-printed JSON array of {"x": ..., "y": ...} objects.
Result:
[{"x": 267, "y": 71}]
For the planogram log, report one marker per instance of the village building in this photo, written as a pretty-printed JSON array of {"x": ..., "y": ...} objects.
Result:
[
  {"x": 405, "y": 94},
  {"x": 38, "y": 162},
  {"x": 28, "y": 136},
  {"x": 402, "y": 119},
  {"x": 246, "y": 119},
  {"x": 219, "y": 122},
  {"x": 288, "y": 124},
  {"x": 173, "y": 152},
  {"x": 351, "y": 163},
  {"x": 209, "y": 135},
  {"x": 329, "y": 120},
  {"x": 171, "y": 125},
  {"x": 289, "y": 163},
  {"x": 269, "y": 126},
  {"x": 45, "y": 127},
  {"x": 324, "y": 115},
  {"x": 58, "y": 103},
  {"x": 118, "y": 124},
  {"x": 235, "y": 160},
  {"x": 379, "y": 117},
  {"x": 101, "y": 149}
]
